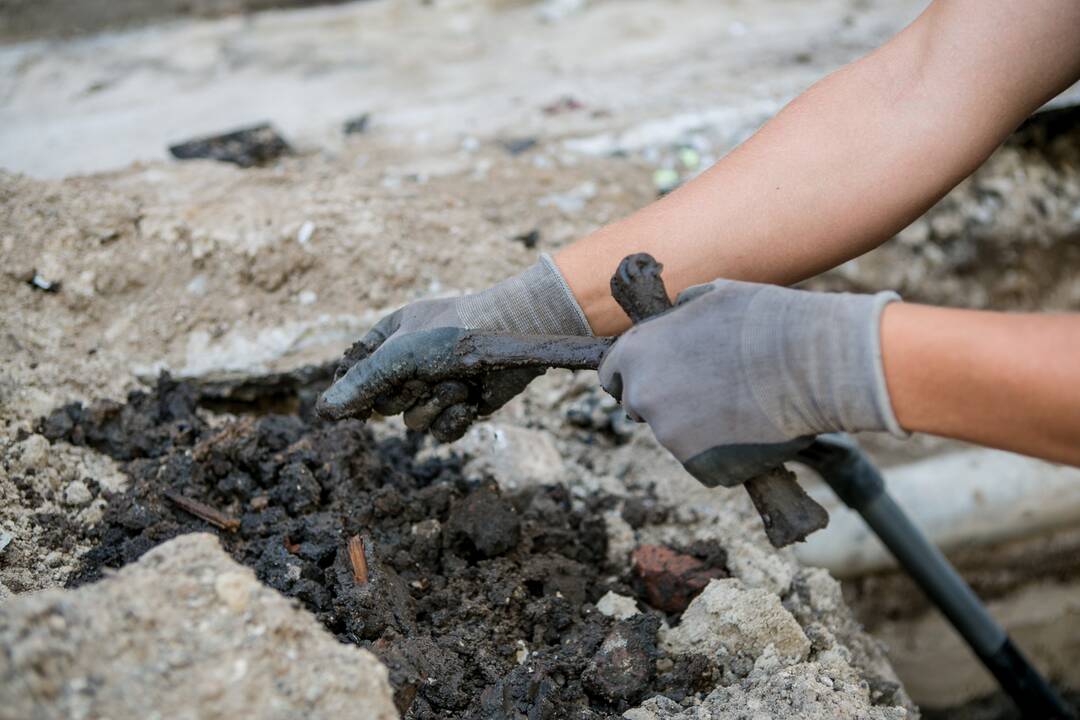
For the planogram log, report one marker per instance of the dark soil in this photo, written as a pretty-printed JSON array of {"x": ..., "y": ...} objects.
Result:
[{"x": 481, "y": 605}]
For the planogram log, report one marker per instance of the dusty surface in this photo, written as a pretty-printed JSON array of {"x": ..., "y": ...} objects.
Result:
[
  {"x": 184, "y": 633},
  {"x": 202, "y": 268},
  {"x": 432, "y": 74},
  {"x": 22, "y": 19}
]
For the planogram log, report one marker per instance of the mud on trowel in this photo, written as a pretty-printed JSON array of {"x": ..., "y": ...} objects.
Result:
[{"x": 450, "y": 360}]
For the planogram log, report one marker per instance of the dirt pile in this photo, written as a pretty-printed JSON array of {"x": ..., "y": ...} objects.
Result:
[
  {"x": 480, "y": 604},
  {"x": 183, "y": 633}
]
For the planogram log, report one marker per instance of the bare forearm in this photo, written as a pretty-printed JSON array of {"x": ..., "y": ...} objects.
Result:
[
  {"x": 1004, "y": 380},
  {"x": 852, "y": 160}
]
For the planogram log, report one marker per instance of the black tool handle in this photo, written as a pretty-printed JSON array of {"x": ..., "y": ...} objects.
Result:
[{"x": 788, "y": 512}]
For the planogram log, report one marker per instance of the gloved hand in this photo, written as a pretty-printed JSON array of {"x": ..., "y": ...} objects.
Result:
[
  {"x": 536, "y": 301},
  {"x": 739, "y": 377}
]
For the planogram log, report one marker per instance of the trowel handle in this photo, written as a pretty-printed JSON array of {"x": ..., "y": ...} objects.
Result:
[{"x": 788, "y": 512}]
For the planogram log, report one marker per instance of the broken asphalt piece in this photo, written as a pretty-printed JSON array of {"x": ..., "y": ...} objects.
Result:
[
  {"x": 247, "y": 147},
  {"x": 670, "y": 579},
  {"x": 39, "y": 283},
  {"x": 516, "y": 146},
  {"x": 356, "y": 125},
  {"x": 529, "y": 239}
]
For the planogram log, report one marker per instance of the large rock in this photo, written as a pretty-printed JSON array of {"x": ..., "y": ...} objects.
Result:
[
  {"x": 183, "y": 633},
  {"x": 729, "y": 617}
]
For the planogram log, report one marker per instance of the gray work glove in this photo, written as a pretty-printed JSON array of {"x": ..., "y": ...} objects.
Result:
[
  {"x": 536, "y": 301},
  {"x": 739, "y": 377}
]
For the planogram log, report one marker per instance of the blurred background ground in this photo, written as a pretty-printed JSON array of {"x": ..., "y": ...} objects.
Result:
[{"x": 483, "y": 133}]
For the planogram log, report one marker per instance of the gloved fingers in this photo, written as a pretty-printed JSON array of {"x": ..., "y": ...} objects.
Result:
[
  {"x": 369, "y": 343},
  {"x": 614, "y": 377},
  {"x": 421, "y": 415},
  {"x": 610, "y": 371},
  {"x": 402, "y": 398},
  {"x": 453, "y": 422},
  {"x": 426, "y": 355},
  {"x": 499, "y": 387}
]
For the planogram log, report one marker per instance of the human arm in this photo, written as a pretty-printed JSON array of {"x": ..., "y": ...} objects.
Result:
[
  {"x": 1004, "y": 380},
  {"x": 852, "y": 160},
  {"x": 742, "y": 377}
]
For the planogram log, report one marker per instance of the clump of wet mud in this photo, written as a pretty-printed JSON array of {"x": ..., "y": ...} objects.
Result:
[{"x": 481, "y": 604}]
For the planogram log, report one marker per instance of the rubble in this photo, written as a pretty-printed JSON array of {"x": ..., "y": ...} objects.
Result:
[
  {"x": 729, "y": 618},
  {"x": 183, "y": 632}
]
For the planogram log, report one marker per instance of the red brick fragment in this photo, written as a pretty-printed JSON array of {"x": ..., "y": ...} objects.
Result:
[{"x": 669, "y": 579}]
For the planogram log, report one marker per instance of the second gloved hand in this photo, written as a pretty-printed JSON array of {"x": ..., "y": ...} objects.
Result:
[
  {"x": 740, "y": 376},
  {"x": 536, "y": 301}
]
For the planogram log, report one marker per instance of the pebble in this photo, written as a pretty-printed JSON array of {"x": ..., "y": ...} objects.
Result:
[
  {"x": 617, "y": 606},
  {"x": 33, "y": 452},
  {"x": 77, "y": 494}
]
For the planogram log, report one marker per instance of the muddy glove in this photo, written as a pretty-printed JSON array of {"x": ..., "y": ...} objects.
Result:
[
  {"x": 739, "y": 377},
  {"x": 537, "y": 301}
]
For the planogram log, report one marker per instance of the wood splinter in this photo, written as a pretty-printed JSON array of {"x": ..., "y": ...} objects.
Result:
[
  {"x": 204, "y": 511},
  {"x": 357, "y": 560}
]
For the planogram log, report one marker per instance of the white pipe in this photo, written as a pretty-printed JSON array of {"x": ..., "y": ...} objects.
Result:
[{"x": 961, "y": 499}]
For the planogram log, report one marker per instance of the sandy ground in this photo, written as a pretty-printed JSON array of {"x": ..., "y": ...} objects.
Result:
[{"x": 202, "y": 268}]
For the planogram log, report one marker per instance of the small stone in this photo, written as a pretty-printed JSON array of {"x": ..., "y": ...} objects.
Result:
[
  {"x": 255, "y": 145},
  {"x": 77, "y": 494},
  {"x": 483, "y": 524},
  {"x": 357, "y": 125},
  {"x": 617, "y": 606},
  {"x": 34, "y": 451},
  {"x": 516, "y": 146},
  {"x": 529, "y": 239},
  {"x": 303, "y": 235}
]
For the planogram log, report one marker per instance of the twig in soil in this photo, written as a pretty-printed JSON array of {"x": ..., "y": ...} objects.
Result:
[
  {"x": 204, "y": 512},
  {"x": 357, "y": 559}
]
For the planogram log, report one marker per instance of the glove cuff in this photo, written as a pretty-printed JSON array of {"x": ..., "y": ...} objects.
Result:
[
  {"x": 881, "y": 389},
  {"x": 536, "y": 301}
]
